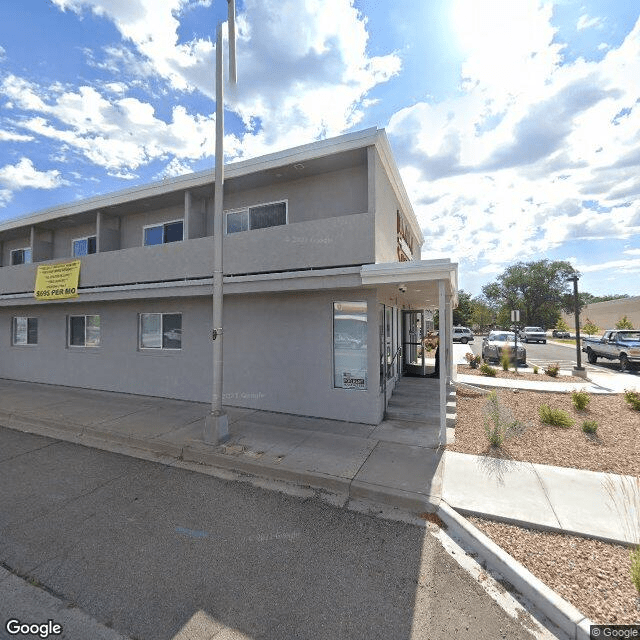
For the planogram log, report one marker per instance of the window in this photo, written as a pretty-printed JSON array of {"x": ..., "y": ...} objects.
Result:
[
  {"x": 161, "y": 233},
  {"x": 25, "y": 330},
  {"x": 350, "y": 345},
  {"x": 84, "y": 331},
  {"x": 160, "y": 331},
  {"x": 84, "y": 246},
  {"x": 261, "y": 216},
  {"x": 21, "y": 256}
]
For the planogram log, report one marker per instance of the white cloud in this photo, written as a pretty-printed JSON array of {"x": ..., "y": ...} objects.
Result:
[
  {"x": 544, "y": 151},
  {"x": 586, "y": 22},
  {"x": 24, "y": 175},
  {"x": 119, "y": 135},
  {"x": 627, "y": 266},
  {"x": 10, "y": 136},
  {"x": 295, "y": 57}
]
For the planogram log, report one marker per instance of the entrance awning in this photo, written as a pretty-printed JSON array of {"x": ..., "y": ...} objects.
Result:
[{"x": 415, "y": 284}]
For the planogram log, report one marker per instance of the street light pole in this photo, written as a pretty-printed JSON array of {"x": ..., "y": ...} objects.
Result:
[
  {"x": 579, "y": 370},
  {"x": 216, "y": 427}
]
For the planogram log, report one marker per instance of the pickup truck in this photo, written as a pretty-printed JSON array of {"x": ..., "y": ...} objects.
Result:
[
  {"x": 623, "y": 345},
  {"x": 533, "y": 334}
]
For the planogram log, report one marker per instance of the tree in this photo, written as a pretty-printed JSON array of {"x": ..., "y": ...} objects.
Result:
[
  {"x": 590, "y": 327},
  {"x": 624, "y": 323},
  {"x": 462, "y": 314},
  {"x": 482, "y": 315},
  {"x": 538, "y": 289},
  {"x": 561, "y": 325}
]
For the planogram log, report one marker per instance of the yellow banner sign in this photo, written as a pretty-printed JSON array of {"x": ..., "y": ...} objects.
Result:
[{"x": 57, "y": 281}]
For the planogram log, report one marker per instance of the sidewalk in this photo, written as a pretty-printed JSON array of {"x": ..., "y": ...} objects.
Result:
[{"x": 395, "y": 464}]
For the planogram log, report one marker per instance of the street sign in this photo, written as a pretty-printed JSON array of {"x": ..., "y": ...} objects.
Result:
[{"x": 515, "y": 315}]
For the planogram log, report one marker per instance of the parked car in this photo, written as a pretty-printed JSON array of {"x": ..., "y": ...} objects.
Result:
[
  {"x": 622, "y": 345},
  {"x": 496, "y": 341},
  {"x": 462, "y": 334},
  {"x": 556, "y": 333},
  {"x": 534, "y": 334}
]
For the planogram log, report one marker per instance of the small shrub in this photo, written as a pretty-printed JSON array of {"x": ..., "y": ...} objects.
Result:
[
  {"x": 535, "y": 369},
  {"x": 554, "y": 417},
  {"x": 624, "y": 323},
  {"x": 499, "y": 424},
  {"x": 589, "y": 426},
  {"x": 590, "y": 327},
  {"x": 505, "y": 358},
  {"x": 634, "y": 570},
  {"x": 580, "y": 400},
  {"x": 633, "y": 398},
  {"x": 552, "y": 370},
  {"x": 487, "y": 370},
  {"x": 474, "y": 361}
]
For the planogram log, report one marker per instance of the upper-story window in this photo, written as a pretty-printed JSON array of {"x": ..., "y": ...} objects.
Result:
[
  {"x": 161, "y": 233},
  {"x": 261, "y": 216},
  {"x": 20, "y": 256},
  {"x": 83, "y": 246}
]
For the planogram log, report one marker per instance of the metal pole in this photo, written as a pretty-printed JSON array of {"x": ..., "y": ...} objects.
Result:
[
  {"x": 577, "y": 318},
  {"x": 216, "y": 427}
]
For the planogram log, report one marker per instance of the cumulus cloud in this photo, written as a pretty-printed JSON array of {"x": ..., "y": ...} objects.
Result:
[
  {"x": 295, "y": 58},
  {"x": 530, "y": 140},
  {"x": 23, "y": 175},
  {"x": 118, "y": 134}
]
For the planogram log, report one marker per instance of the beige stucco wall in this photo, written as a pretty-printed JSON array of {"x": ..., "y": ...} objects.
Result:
[{"x": 606, "y": 314}]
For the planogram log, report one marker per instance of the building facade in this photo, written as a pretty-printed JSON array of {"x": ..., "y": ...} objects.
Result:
[
  {"x": 605, "y": 315},
  {"x": 323, "y": 283}
]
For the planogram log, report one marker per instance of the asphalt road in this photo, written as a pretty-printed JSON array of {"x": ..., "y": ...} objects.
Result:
[{"x": 147, "y": 549}]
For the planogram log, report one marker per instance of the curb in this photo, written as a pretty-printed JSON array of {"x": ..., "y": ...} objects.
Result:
[
  {"x": 556, "y": 609},
  {"x": 342, "y": 489},
  {"x": 517, "y": 522}
]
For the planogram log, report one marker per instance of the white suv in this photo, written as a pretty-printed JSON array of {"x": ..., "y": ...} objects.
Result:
[{"x": 462, "y": 334}]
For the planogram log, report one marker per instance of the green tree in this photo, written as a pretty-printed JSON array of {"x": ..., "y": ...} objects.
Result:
[
  {"x": 590, "y": 327},
  {"x": 561, "y": 325},
  {"x": 538, "y": 289},
  {"x": 482, "y": 315},
  {"x": 462, "y": 314},
  {"x": 624, "y": 323}
]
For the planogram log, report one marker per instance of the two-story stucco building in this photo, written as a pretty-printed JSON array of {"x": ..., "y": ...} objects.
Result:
[{"x": 322, "y": 282}]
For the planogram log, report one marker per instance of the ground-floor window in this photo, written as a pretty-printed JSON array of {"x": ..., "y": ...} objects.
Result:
[
  {"x": 84, "y": 331},
  {"x": 25, "y": 331},
  {"x": 160, "y": 331},
  {"x": 350, "y": 345}
]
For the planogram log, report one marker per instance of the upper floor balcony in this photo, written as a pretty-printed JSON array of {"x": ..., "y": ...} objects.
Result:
[{"x": 323, "y": 243}]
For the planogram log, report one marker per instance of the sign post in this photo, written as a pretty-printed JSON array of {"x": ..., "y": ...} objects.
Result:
[{"x": 515, "y": 317}]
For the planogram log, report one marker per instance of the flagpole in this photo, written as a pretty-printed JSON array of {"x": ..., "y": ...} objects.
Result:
[{"x": 216, "y": 428}]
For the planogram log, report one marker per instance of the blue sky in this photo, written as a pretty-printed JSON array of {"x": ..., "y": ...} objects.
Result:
[{"x": 516, "y": 125}]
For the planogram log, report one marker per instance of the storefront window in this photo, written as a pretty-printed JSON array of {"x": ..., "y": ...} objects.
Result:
[{"x": 350, "y": 345}]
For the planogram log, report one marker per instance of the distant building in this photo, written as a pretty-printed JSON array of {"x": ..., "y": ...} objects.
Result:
[
  {"x": 323, "y": 285},
  {"x": 606, "y": 314}
]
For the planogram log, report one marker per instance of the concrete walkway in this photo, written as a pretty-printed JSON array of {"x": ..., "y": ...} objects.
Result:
[{"x": 395, "y": 464}]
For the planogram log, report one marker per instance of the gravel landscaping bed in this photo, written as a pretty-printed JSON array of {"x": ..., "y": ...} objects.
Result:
[
  {"x": 592, "y": 575},
  {"x": 522, "y": 375},
  {"x": 614, "y": 448}
]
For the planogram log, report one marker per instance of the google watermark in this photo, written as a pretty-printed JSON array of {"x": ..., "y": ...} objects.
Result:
[
  {"x": 598, "y": 631},
  {"x": 46, "y": 629}
]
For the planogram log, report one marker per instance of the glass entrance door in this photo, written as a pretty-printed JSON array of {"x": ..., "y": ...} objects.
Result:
[{"x": 413, "y": 333}]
